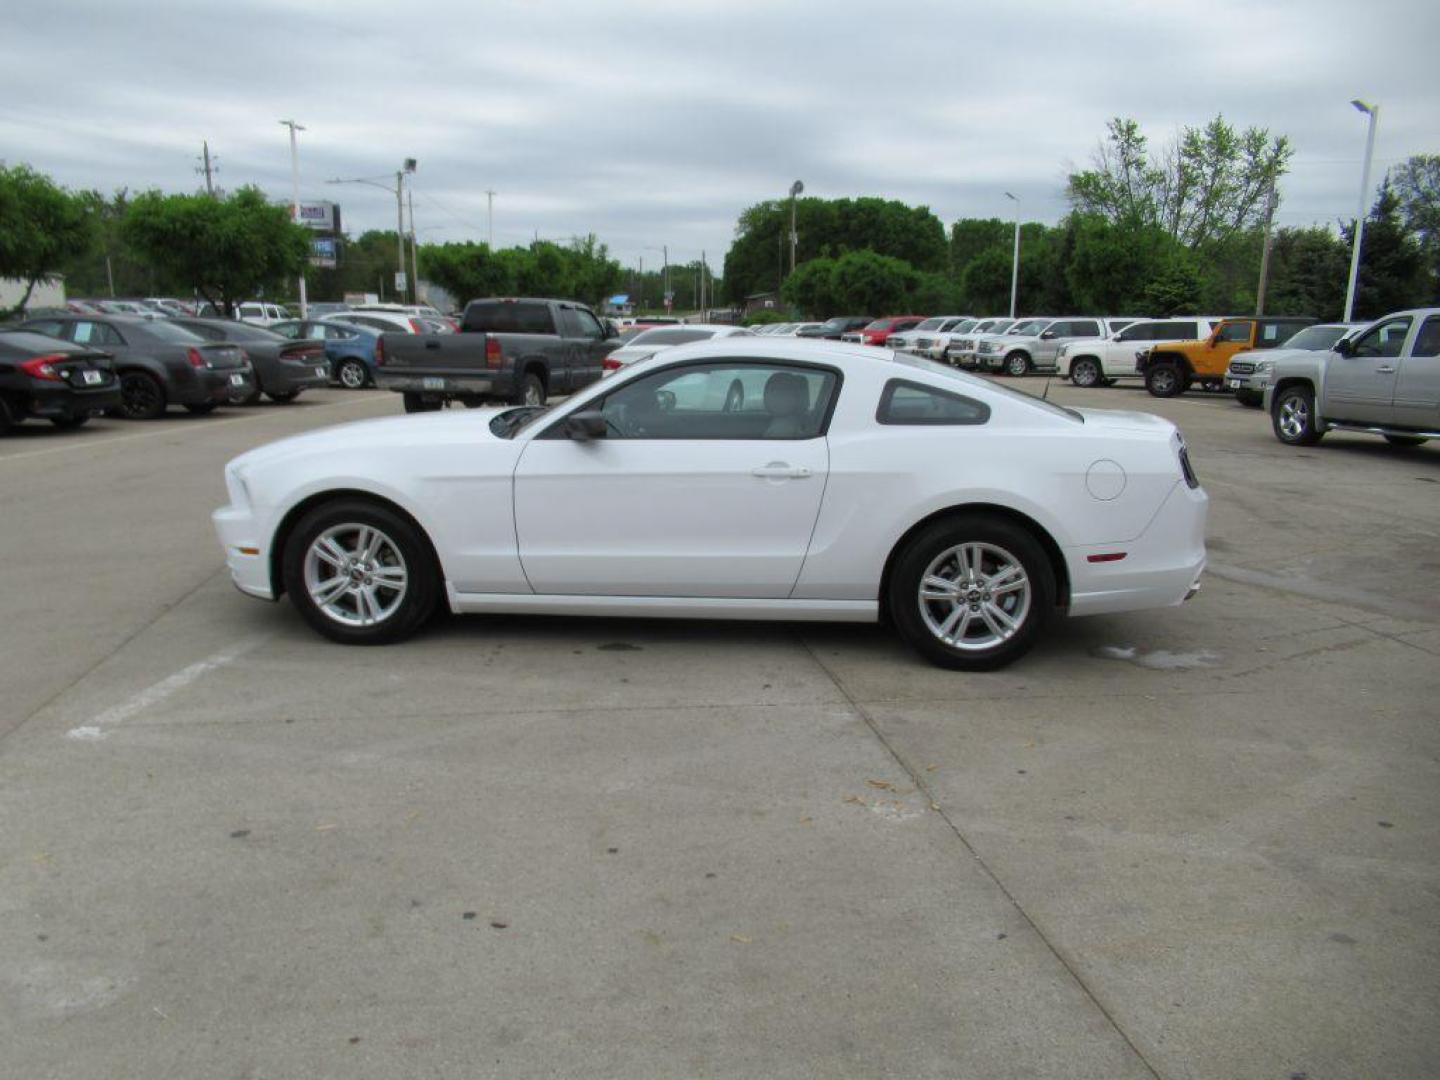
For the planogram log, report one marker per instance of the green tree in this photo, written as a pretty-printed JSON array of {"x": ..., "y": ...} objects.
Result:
[
  {"x": 1210, "y": 182},
  {"x": 811, "y": 288},
  {"x": 1392, "y": 266},
  {"x": 225, "y": 249},
  {"x": 866, "y": 283},
  {"x": 985, "y": 281},
  {"x": 42, "y": 227},
  {"x": 1417, "y": 185},
  {"x": 1308, "y": 270}
]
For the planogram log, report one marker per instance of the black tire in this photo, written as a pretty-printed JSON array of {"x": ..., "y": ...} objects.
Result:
[
  {"x": 1292, "y": 416},
  {"x": 205, "y": 408},
  {"x": 1017, "y": 364},
  {"x": 1164, "y": 379},
  {"x": 141, "y": 396},
  {"x": 1086, "y": 372},
  {"x": 1249, "y": 398},
  {"x": 352, "y": 375},
  {"x": 1406, "y": 440},
  {"x": 7, "y": 419},
  {"x": 283, "y": 398},
  {"x": 65, "y": 423},
  {"x": 529, "y": 390},
  {"x": 422, "y": 585},
  {"x": 919, "y": 557},
  {"x": 416, "y": 403}
]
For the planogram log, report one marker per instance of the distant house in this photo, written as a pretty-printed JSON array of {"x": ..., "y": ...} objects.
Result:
[
  {"x": 619, "y": 306},
  {"x": 763, "y": 301},
  {"x": 49, "y": 292}
]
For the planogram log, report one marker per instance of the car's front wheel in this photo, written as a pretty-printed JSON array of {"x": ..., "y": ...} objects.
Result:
[
  {"x": 971, "y": 592},
  {"x": 1293, "y": 417},
  {"x": 360, "y": 573},
  {"x": 1164, "y": 380},
  {"x": 1085, "y": 372},
  {"x": 1017, "y": 364}
]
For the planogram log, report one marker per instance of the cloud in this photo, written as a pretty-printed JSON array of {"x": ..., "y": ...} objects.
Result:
[{"x": 652, "y": 123}]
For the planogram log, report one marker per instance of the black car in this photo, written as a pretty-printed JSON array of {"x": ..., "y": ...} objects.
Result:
[
  {"x": 52, "y": 380},
  {"x": 831, "y": 329},
  {"x": 283, "y": 367},
  {"x": 158, "y": 363}
]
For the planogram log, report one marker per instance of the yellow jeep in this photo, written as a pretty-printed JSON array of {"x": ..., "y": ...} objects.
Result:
[{"x": 1171, "y": 368}]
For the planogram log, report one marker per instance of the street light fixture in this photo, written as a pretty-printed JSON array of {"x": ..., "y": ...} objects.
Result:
[
  {"x": 295, "y": 197},
  {"x": 1373, "y": 111},
  {"x": 795, "y": 189},
  {"x": 1015, "y": 260},
  {"x": 398, "y": 191}
]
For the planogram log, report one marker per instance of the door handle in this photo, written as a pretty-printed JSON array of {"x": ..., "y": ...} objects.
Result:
[
  {"x": 432, "y": 344},
  {"x": 778, "y": 470},
  {"x": 1384, "y": 370}
]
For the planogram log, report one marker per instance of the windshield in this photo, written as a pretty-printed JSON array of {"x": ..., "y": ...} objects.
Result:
[
  {"x": 991, "y": 326},
  {"x": 1031, "y": 326},
  {"x": 836, "y": 324},
  {"x": 956, "y": 375},
  {"x": 965, "y": 327},
  {"x": 1314, "y": 338},
  {"x": 670, "y": 335},
  {"x": 931, "y": 324},
  {"x": 881, "y": 324}
]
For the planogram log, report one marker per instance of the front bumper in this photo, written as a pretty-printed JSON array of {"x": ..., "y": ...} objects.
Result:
[
  {"x": 1161, "y": 567},
  {"x": 247, "y": 558}
]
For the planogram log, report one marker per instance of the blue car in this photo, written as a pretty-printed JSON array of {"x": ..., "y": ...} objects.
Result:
[{"x": 349, "y": 348}]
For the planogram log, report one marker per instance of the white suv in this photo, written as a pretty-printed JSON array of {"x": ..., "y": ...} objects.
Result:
[
  {"x": 1100, "y": 361},
  {"x": 261, "y": 313}
]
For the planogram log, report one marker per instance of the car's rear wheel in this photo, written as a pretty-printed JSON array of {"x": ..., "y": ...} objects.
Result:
[
  {"x": 360, "y": 573},
  {"x": 352, "y": 375},
  {"x": 1405, "y": 440},
  {"x": 141, "y": 396},
  {"x": 1293, "y": 417},
  {"x": 971, "y": 592},
  {"x": 1017, "y": 364},
  {"x": 1164, "y": 380},
  {"x": 1085, "y": 372},
  {"x": 530, "y": 391}
]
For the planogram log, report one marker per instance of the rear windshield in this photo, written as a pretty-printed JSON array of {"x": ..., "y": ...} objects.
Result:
[
  {"x": 668, "y": 335},
  {"x": 509, "y": 317}
]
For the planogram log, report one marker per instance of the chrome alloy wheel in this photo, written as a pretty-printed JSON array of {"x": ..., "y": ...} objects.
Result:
[
  {"x": 355, "y": 574},
  {"x": 1294, "y": 417},
  {"x": 974, "y": 596},
  {"x": 352, "y": 375}
]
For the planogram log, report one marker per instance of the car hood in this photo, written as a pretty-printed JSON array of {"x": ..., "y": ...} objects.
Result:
[
  {"x": 628, "y": 355},
  {"x": 1256, "y": 355},
  {"x": 421, "y": 429}
]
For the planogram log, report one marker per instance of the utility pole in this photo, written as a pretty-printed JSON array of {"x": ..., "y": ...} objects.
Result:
[
  {"x": 400, "y": 231},
  {"x": 208, "y": 168},
  {"x": 295, "y": 199},
  {"x": 414, "y": 257},
  {"x": 640, "y": 292},
  {"x": 1374, "y": 113},
  {"x": 1015, "y": 261},
  {"x": 795, "y": 189},
  {"x": 703, "y": 310},
  {"x": 490, "y": 218},
  {"x": 1265, "y": 251}
]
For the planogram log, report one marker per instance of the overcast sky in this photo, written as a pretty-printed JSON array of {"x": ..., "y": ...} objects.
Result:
[{"x": 655, "y": 123}]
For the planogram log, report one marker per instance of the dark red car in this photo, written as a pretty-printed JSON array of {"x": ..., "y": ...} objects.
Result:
[{"x": 880, "y": 329}]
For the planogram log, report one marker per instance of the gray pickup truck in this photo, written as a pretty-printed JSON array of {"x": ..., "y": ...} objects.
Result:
[
  {"x": 517, "y": 350},
  {"x": 1384, "y": 380}
]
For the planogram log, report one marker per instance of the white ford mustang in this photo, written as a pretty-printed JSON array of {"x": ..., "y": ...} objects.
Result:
[{"x": 745, "y": 478}]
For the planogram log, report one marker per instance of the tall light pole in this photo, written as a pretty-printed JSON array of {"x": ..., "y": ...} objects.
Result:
[
  {"x": 490, "y": 218},
  {"x": 1015, "y": 260},
  {"x": 399, "y": 192},
  {"x": 1374, "y": 113},
  {"x": 294, "y": 193},
  {"x": 795, "y": 189},
  {"x": 414, "y": 256}
]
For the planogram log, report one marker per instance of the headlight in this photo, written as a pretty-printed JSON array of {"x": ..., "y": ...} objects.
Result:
[{"x": 1264, "y": 367}]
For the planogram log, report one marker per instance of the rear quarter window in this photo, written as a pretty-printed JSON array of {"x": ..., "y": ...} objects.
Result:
[{"x": 909, "y": 403}]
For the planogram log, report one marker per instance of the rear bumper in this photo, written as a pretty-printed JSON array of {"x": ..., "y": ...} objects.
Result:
[
  {"x": 245, "y": 555},
  {"x": 411, "y": 383},
  {"x": 211, "y": 385},
  {"x": 291, "y": 377},
  {"x": 1161, "y": 568},
  {"x": 61, "y": 402}
]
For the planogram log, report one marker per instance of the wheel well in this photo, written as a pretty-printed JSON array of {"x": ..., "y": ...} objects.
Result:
[
  {"x": 1180, "y": 360},
  {"x": 1294, "y": 380},
  {"x": 1029, "y": 524},
  {"x": 539, "y": 370},
  {"x": 304, "y": 506}
]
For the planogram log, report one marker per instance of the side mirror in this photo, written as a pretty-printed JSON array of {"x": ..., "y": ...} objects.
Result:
[
  {"x": 611, "y": 331},
  {"x": 586, "y": 425},
  {"x": 1345, "y": 347},
  {"x": 1048, "y": 335}
]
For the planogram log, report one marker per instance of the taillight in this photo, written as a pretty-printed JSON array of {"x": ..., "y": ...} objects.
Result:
[
  {"x": 493, "y": 356},
  {"x": 196, "y": 360},
  {"x": 611, "y": 364},
  {"x": 379, "y": 351},
  {"x": 42, "y": 367}
]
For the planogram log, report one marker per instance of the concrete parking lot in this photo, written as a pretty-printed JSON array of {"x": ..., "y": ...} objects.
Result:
[{"x": 1199, "y": 842}]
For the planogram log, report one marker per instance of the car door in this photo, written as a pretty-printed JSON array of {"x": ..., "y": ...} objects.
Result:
[
  {"x": 1360, "y": 383},
  {"x": 590, "y": 350},
  {"x": 1417, "y": 385},
  {"x": 96, "y": 335},
  {"x": 1066, "y": 332},
  {"x": 708, "y": 484}
]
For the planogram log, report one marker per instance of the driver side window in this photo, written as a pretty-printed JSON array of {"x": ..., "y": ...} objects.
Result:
[
  {"x": 1237, "y": 332},
  {"x": 1387, "y": 339},
  {"x": 723, "y": 400}
]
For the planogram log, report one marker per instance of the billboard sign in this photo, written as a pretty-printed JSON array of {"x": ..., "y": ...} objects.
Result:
[
  {"x": 323, "y": 251},
  {"x": 320, "y": 216}
]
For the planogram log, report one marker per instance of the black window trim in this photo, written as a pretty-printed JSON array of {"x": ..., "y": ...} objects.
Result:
[
  {"x": 556, "y": 429},
  {"x": 888, "y": 393}
]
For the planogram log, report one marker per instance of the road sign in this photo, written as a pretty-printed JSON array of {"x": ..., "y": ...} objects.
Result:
[{"x": 400, "y": 281}]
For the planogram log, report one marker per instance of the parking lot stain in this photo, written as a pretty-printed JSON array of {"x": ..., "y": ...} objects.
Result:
[
  {"x": 619, "y": 646},
  {"x": 1343, "y": 939},
  {"x": 499, "y": 925},
  {"x": 1386, "y": 824},
  {"x": 239, "y": 834},
  {"x": 1157, "y": 659}
]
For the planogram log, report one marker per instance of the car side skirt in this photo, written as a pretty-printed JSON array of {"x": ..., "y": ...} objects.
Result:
[{"x": 665, "y": 607}]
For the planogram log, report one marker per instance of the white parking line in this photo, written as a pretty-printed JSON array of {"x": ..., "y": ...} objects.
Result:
[
  {"x": 153, "y": 695},
  {"x": 204, "y": 425}
]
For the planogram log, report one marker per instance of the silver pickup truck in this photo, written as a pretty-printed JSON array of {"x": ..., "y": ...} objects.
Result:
[{"x": 1384, "y": 380}]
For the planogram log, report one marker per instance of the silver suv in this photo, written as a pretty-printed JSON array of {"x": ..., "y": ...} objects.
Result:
[
  {"x": 1385, "y": 380},
  {"x": 1036, "y": 345}
]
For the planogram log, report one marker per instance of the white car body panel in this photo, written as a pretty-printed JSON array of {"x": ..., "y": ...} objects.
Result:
[{"x": 688, "y": 528}]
